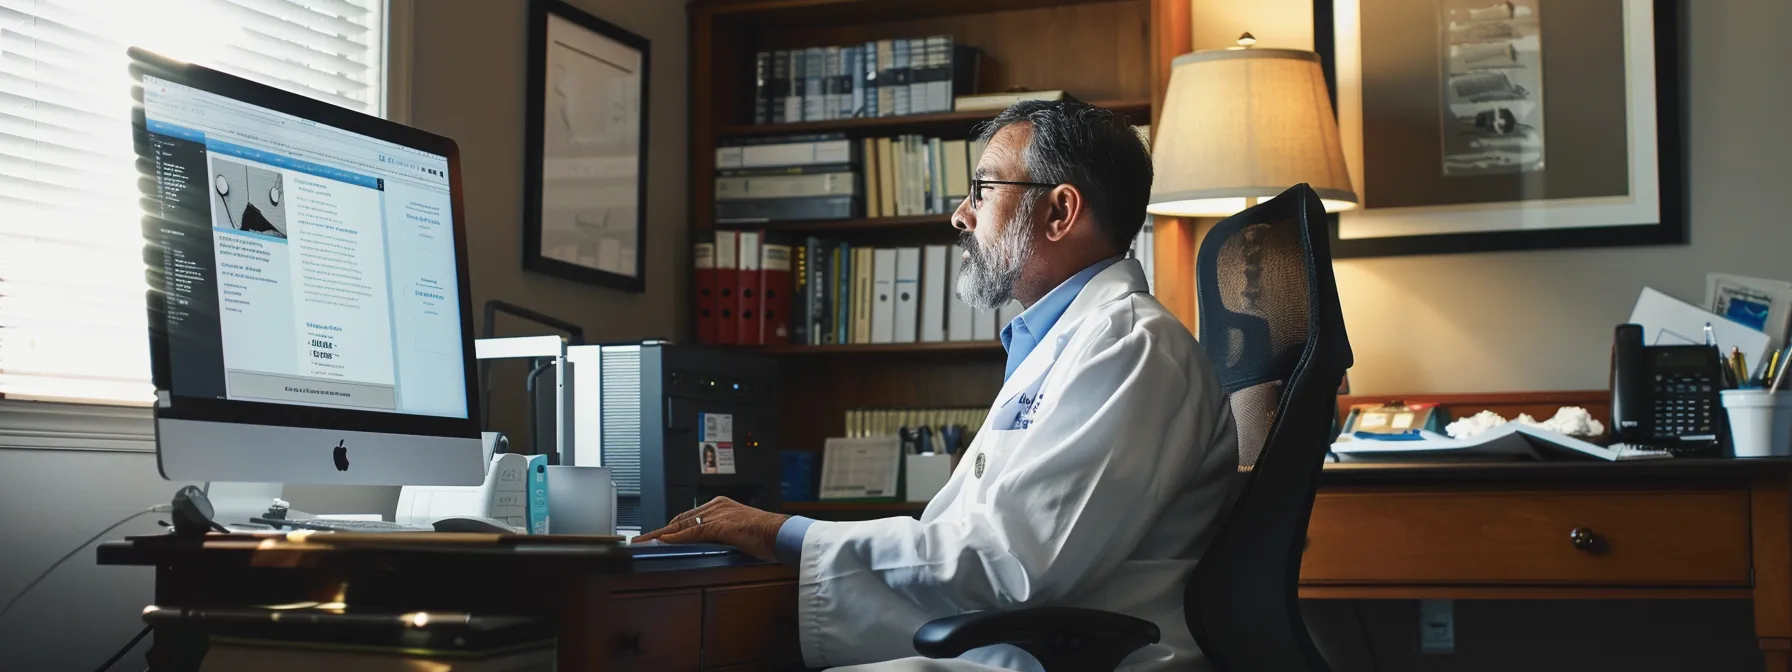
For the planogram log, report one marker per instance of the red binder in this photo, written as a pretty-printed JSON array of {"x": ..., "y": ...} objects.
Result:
[
  {"x": 775, "y": 288},
  {"x": 705, "y": 269},
  {"x": 726, "y": 329},
  {"x": 747, "y": 320}
]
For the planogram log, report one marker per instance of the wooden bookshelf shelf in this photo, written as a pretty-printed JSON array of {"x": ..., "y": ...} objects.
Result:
[
  {"x": 944, "y": 122},
  {"x": 866, "y": 348},
  {"x": 786, "y": 14},
  {"x": 826, "y": 506},
  {"x": 917, "y": 222}
]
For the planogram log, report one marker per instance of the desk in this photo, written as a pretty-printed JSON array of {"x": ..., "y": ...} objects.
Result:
[
  {"x": 1694, "y": 529},
  {"x": 1667, "y": 529},
  {"x": 1656, "y": 529},
  {"x": 609, "y": 611}
]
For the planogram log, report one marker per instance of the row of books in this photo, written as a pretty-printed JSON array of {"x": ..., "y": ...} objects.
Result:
[
  {"x": 881, "y": 78},
  {"x": 824, "y": 176},
  {"x": 755, "y": 290},
  {"x": 863, "y": 422},
  {"x": 752, "y": 290},
  {"x": 831, "y": 177}
]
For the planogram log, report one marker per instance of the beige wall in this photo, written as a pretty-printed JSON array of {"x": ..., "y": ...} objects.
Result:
[
  {"x": 1543, "y": 320},
  {"x": 467, "y": 84}
]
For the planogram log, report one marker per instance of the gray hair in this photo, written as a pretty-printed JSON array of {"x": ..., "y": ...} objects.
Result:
[{"x": 1094, "y": 149}]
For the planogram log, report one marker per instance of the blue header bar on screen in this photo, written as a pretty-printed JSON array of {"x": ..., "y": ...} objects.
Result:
[
  {"x": 182, "y": 132},
  {"x": 270, "y": 158}
]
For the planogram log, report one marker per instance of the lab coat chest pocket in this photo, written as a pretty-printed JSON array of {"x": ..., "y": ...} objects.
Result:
[
  {"x": 1004, "y": 435},
  {"x": 995, "y": 451}
]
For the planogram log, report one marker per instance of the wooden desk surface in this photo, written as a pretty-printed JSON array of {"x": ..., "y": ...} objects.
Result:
[
  {"x": 1440, "y": 474},
  {"x": 326, "y": 551},
  {"x": 610, "y": 610},
  {"x": 621, "y": 571},
  {"x": 1583, "y": 529},
  {"x": 1444, "y": 473}
]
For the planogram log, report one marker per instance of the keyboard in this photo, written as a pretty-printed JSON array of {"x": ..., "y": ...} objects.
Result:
[
  {"x": 329, "y": 525},
  {"x": 654, "y": 549},
  {"x": 1633, "y": 451}
]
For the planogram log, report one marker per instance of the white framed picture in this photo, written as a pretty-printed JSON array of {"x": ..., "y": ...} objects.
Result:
[{"x": 1483, "y": 125}]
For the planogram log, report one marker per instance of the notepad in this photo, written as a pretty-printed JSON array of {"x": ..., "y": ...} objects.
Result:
[{"x": 1509, "y": 441}]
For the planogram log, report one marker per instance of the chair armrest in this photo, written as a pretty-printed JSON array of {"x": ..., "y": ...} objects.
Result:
[{"x": 1061, "y": 638}]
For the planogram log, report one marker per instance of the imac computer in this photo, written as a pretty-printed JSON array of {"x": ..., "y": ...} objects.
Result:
[{"x": 310, "y": 318}]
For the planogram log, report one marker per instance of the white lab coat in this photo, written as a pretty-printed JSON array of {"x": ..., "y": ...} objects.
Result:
[{"x": 1104, "y": 501}]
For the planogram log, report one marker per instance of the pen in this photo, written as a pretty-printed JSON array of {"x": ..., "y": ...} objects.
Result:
[
  {"x": 1738, "y": 366},
  {"x": 1709, "y": 339},
  {"x": 1779, "y": 376}
]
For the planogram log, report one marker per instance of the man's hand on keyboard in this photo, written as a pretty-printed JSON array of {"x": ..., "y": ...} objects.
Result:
[{"x": 723, "y": 521}]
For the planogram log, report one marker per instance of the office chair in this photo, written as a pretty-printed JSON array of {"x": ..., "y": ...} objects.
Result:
[{"x": 1271, "y": 323}]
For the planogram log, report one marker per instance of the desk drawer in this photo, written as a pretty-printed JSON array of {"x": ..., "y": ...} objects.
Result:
[
  {"x": 657, "y": 631},
  {"x": 1626, "y": 537},
  {"x": 750, "y": 624}
]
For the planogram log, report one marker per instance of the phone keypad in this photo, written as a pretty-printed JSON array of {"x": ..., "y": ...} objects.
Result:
[{"x": 1685, "y": 403}]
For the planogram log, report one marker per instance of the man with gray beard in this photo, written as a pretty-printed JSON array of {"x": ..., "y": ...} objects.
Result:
[{"x": 1098, "y": 476}]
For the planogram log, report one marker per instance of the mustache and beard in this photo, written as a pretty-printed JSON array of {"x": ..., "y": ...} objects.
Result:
[{"x": 988, "y": 278}]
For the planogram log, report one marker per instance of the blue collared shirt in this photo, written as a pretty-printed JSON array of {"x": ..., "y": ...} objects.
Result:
[
  {"x": 1023, "y": 333},
  {"x": 1019, "y": 338}
]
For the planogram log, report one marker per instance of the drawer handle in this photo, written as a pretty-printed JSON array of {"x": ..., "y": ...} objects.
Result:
[{"x": 1585, "y": 539}]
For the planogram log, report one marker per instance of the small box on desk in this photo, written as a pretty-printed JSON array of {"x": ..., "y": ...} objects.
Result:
[{"x": 925, "y": 475}]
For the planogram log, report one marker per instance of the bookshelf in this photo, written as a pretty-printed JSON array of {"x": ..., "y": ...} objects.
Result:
[
  {"x": 921, "y": 223},
  {"x": 939, "y": 123},
  {"x": 1111, "y": 53},
  {"x": 973, "y": 347}
]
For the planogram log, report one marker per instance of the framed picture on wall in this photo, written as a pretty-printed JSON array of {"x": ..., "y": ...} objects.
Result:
[
  {"x": 1480, "y": 125},
  {"x": 585, "y": 163}
]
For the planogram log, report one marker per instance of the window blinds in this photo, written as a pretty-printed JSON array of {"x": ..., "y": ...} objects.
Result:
[{"x": 73, "y": 323}]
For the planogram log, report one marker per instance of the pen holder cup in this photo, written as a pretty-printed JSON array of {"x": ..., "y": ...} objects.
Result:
[
  {"x": 1760, "y": 422},
  {"x": 927, "y": 475}
]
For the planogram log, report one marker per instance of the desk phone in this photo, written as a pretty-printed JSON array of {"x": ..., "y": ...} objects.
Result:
[{"x": 1666, "y": 396}]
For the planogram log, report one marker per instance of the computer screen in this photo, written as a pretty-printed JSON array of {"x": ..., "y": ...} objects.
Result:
[{"x": 328, "y": 275}]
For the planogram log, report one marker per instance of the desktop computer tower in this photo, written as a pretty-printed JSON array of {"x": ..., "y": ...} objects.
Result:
[{"x": 682, "y": 424}]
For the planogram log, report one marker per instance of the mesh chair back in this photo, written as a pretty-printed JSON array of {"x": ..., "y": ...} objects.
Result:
[{"x": 1270, "y": 320}]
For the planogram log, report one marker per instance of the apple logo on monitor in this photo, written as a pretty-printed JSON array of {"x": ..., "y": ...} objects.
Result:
[{"x": 341, "y": 455}]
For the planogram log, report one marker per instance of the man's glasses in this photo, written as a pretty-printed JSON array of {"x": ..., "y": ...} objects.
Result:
[{"x": 977, "y": 186}]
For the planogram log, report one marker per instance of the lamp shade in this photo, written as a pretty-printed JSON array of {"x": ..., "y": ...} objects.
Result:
[{"x": 1242, "y": 124}]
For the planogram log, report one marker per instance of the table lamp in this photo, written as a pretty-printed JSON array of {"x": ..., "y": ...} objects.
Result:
[{"x": 1243, "y": 124}]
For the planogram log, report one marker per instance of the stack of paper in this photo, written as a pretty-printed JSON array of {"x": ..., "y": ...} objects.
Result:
[
  {"x": 1511, "y": 440},
  {"x": 1670, "y": 321}
]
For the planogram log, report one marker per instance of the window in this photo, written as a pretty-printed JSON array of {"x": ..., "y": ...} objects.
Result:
[{"x": 72, "y": 318}]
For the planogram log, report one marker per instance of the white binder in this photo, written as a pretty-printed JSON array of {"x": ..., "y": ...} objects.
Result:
[
  {"x": 983, "y": 325},
  {"x": 960, "y": 319},
  {"x": 1007, "y": 313},
  {"x": 907, "y": 292},
  {"x": 934, "y": 292},
  {"x": 883, "y": 299}
]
